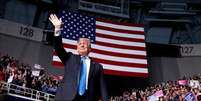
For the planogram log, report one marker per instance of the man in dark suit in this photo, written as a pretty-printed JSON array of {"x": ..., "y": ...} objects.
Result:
[{"x": 83, "y": 78}]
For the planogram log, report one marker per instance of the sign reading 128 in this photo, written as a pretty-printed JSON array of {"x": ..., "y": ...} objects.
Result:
[{"x": 26, "y": 31}]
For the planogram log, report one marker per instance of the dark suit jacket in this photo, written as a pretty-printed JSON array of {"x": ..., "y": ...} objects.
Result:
[{"x": 67, "y": 91}]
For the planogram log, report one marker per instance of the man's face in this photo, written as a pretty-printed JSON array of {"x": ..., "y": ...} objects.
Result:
[{"x": 83, "y": 46}]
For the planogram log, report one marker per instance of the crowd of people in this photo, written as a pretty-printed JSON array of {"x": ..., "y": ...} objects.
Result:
[
  {"x": 185, "y": 89},
  {"x": 15, "y": 72}
]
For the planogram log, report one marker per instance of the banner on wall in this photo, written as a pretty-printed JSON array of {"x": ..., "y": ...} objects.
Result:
[
  {"x": 190, "y": 49},
  {"x": 20, "y": 30}
]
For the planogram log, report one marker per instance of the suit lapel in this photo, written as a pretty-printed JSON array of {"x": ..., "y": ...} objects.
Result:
[
  {"x": 91, "y": 69},
  {"x": 78, "y": 68}
]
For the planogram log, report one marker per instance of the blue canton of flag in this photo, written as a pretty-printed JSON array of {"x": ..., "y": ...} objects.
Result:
[{"x": 77, "y": 25}]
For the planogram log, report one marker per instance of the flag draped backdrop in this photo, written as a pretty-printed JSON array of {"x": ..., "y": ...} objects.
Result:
[{"x": 119, "y": 47}]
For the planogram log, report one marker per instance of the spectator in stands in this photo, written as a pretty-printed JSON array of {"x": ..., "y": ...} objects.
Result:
[
  {"x": 126, "y": 96},
  {"x": 2, "y": 75},
  {"x": 10, "y": 76},
  {"x": 198, "y": 96},
  {"x": 73, "y": 89},
  {"x": 44, "y": 87}
]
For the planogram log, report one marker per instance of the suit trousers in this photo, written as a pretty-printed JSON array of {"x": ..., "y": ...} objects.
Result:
[{"x": 77, "y": 98}]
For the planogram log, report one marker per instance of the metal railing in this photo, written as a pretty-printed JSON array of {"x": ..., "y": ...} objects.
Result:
[{"x": 25, "y": 93}]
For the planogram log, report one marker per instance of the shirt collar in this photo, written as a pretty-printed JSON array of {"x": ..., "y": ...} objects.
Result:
[{"x": 87, "y": 57}]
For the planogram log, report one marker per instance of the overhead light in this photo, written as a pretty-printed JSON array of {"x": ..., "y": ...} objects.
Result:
[{"x": 47, "y": 1}]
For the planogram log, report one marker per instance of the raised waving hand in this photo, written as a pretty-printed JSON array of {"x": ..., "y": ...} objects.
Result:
[{"x": 57, "y": 22}]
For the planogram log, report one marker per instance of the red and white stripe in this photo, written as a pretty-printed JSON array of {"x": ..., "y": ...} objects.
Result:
[{"x": 120, "y": 48}]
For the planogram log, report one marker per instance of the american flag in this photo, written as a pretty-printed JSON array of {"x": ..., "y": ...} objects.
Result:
[{"x": 119, "y": 47}]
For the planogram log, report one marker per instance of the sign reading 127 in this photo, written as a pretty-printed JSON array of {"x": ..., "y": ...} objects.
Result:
[
  {"x": 26, "y": 31},
  {"x": 186, "y": 49}
]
